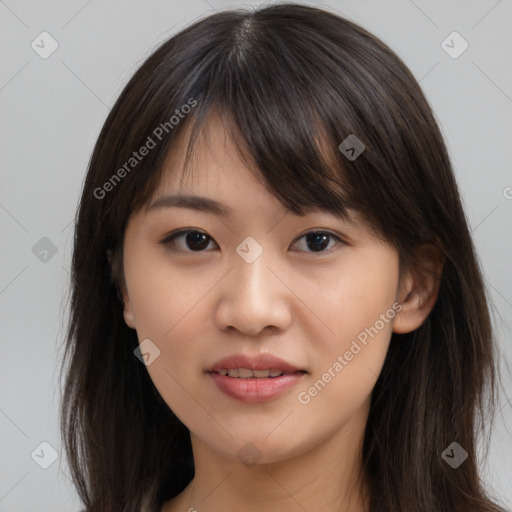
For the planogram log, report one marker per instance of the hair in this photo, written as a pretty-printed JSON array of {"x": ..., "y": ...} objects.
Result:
[{"x": 290, "y": 83}]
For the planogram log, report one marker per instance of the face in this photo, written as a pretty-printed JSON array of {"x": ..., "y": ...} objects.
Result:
[{"x": 318, "y": 292}]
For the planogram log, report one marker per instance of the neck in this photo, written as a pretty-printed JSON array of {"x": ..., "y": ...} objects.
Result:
[{"x": 325, "y": 477}]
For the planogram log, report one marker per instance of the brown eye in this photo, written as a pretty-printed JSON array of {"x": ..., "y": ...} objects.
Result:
[
  {"x": 318, "y": 241},
  {"x": 194, "y": 241}
]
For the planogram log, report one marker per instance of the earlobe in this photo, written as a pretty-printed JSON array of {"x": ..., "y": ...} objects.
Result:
[
  {"x": 117, "y": 277},
  {"x": 128, "y": 315},
  {"x": 419, "y": 292},
  {"x": 127, "y": 308}
]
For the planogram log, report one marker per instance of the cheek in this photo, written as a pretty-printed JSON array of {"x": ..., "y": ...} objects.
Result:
[
  {"x": 354, "y": 302},
  {"x": 164, "y": 298},
  {"x": 359, "y": 312},
  {"x": 167, "y": 308}
]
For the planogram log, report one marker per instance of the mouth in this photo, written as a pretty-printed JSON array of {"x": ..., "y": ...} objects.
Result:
[
  {"x": 259, "y": 366},
  {"x": 256, "y": 378},
  {"x": 247, "y": 373}
]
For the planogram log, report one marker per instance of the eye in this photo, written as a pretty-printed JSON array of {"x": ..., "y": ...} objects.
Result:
[
  {"x": 197, "y": 241},
  {"x": 317, "y": 241},
  {"x": 194, "y": 240}
]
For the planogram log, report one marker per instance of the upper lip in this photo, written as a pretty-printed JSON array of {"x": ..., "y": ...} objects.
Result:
[{"x": 258, "y": 362}]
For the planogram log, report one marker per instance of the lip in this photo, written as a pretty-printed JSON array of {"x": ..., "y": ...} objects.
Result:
[
  {"x": 259, "y": 362},
  {"x": 255, "y": 389}
]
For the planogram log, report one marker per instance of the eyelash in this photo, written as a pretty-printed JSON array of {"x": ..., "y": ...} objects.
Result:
[{"x": 173, "y": 236}]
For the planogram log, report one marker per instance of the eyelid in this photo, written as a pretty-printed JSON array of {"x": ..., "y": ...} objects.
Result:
[{"x": 182, "y": 231}]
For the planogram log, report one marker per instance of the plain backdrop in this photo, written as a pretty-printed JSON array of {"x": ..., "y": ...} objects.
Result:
[{"x": 52, "y": 110}]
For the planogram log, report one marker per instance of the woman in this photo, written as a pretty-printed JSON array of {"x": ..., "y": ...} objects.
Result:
[{"x": 276, "y": 300}]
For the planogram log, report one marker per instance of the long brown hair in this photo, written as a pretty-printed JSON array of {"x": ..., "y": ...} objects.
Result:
[{"x": 291, "y": 83}]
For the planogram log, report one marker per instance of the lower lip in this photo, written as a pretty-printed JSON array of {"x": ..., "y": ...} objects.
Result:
[{"x": 255, "y": 390}]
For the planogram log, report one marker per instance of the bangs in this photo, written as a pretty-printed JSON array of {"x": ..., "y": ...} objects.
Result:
[{"x": 297, "y": 167}]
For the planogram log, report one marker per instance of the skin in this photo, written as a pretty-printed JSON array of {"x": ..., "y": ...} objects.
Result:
[{"x": 303, "y": 306}]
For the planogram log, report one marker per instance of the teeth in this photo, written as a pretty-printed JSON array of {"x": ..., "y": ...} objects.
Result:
[
  {"x": 246, "y": 373},
  {"x": 261, "y": 373}
]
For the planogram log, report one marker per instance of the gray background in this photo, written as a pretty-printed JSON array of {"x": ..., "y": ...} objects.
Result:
[{"x": 51, "y": 113}]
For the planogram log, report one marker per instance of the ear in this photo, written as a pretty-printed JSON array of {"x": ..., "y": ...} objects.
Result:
[
  {"x": 418, "y": 290},
  {"x": 127, "y": 307},
  {"x": 117, "y": 277}
]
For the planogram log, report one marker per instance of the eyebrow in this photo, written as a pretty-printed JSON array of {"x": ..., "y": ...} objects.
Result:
[
  {"x": 202, "y": 204},
  {"x": 208, "y": 205}
]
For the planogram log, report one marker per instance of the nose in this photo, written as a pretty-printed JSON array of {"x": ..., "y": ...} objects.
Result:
[{"x": 254, "y": 297}]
